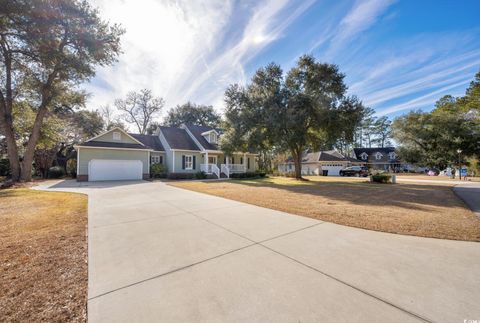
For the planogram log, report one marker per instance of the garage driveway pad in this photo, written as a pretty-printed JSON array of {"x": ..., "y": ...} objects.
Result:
[{"x": 159, "y": 253}]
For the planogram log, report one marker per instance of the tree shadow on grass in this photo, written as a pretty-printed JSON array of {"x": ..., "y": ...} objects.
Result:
[{"x": 409, "y": 196}]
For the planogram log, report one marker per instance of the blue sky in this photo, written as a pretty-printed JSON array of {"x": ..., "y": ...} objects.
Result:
[{"x": 397, "y": 55}]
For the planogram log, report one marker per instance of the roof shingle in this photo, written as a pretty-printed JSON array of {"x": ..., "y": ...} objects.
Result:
[
  {"x": 108, "y": 144},
  {"x": 178, "y": 138},
  {"x": 197, "y": 133},
  {"x": 153, "y": 142}
]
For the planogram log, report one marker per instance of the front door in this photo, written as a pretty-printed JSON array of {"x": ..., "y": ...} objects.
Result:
[{"x": 212, "y": 160}]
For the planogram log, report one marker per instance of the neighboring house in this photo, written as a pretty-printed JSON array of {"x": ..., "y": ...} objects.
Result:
[
  {"x": 118, "y": 155},
  {"x": 379, "y": 158},
  {"x": 315, "y": 163}
]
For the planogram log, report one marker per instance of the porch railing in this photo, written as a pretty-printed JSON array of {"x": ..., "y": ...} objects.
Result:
[
  {"x": 233, "y": 168},
  {"x": 225, "y": 170},
  {"x": 210, "y": 169}
]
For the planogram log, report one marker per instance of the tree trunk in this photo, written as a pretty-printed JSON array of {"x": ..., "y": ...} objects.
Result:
[
  {"x": 12, "y": 151},
  {"x": 26, "y": 171},
  {"x": 297, "y": 159}
]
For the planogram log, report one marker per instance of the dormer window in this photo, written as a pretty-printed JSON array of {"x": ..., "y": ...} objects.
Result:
[
  {"x": 392, "y": 155},
  {"x": 378, "y": 156},
  {"x": 212, "y": 138},
  {"x": 117, "y": 136},
  {"x": 364, "y": 156}
]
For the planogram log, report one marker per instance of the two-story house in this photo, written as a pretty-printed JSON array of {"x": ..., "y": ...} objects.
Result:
[
  {"x": 378, "y": 158},
  {"x": 118, "y": 155}
]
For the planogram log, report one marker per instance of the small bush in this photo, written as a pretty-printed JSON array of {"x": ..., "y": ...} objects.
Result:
[
  {"x": 245, "y": 175},
  {"x": 181, "y": 176},
  {"x": 158, "y": 171},
  {"x": 381, "y": 178},
  {"x": 55, "y": 172},
  {"x": 72, "y": 167},
  {"x": 200, "y": 175},
  {"x": 4, "y": 167},
  {"x": 261, "y": 174}
]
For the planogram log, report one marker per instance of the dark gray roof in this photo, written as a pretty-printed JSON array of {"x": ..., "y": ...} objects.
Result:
[
  {"x": 331, "y": 155},
  {"x": 153, "y": 142},
  {"x": 178, "y": 138},
  {"x": 197, "y": 133},
  {"x": 326, "y": 155},
  {"x": 112, "y": 145},
  {"x": 371, "y": 152}
]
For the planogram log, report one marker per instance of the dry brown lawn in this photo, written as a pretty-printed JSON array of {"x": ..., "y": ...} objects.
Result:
[
  {"x": 413, "y": 209},
  {"x": 436, "y": 178},
  {"x": 43, "y": 256}
]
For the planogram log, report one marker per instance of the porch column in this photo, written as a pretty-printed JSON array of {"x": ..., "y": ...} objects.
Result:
[
  {"x": 245, "y": 161},
  {"x": 206, "y": 157}
]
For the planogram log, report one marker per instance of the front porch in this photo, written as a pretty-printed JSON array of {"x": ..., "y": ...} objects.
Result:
[{"x": 230, "y": 165}]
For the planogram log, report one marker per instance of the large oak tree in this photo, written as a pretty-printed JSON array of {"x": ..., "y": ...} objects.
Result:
[
  {"x": 47, "y": 48},
  {"x": 306, "y": 108}
]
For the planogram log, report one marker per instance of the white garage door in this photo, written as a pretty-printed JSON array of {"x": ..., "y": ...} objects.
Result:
[
  {"x": 333, "y": 170},
  {"x": 114, "y": 170}
]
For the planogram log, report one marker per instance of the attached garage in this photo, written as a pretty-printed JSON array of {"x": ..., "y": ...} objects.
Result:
[
  {"x": 333, "y": 169},
  {"x": 116, "y": 155},
  {"x": 114, "y": 170}
]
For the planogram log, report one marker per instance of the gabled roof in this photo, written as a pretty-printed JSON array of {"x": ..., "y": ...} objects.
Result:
[
  {"x": 115, "y": 129},
  {"x": 331, "y": 155},
  {"x": 323, "y": 156},
  {"x": 371, "y": 152},
  {"x": 197, "y": 132},
  {"x": 178, "y": 138},
  {"x": 108, "y": 144},
  {"x": 150, "y": 141}
]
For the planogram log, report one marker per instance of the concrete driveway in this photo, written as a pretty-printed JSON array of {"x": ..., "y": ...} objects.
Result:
[{"x": 163, "y": 254}]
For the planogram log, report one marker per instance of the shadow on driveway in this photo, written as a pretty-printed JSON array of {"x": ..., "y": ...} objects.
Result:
[{"x": 71, "y": 183}]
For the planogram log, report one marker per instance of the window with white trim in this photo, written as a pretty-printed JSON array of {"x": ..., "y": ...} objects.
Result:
[
  {"x": 213, "y": 138},
  {"x": 156, "y": 159},
  {"x": 378, "y": 156},
  {"x": 392, "y": 155},
  {"x": 188, "y": 162},
  {"x": 117, "y": 135},
  {"x": 364, "y": 156}
]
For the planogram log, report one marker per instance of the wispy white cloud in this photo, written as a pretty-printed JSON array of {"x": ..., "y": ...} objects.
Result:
[
  {"x": 191, "y": 50},
  {"x": 363, "y": 15},
  {"x": 181, "y": 49},
  {"x": 424, "y": 100}
]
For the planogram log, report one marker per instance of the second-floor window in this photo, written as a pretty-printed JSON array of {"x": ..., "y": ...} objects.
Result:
[
  {"x": 364, "y": 156},
  {"x": 212, "y": 137},
  {"x": 378, "y": 156},
  {"x": 392, "y": 155},
  {"x": 117, "y": 136}
]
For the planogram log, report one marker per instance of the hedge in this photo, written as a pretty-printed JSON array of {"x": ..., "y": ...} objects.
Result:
[
  {"x": 181, "y": 176},
  {"x": 55, "y": 172},
  {"x": 382, "y": 178},
  {"x": 158, "y": 171},
  {"x": 248, "y": 175}
]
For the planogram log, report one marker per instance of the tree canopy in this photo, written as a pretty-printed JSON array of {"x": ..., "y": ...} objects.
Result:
[
  {"x": 140, "y": 108},
  {"x": 47, "y": 48},
  {"x": 191, "y": 113},
  {"x": 306, "y": 108},
  {"x": 447, "y": 135}
]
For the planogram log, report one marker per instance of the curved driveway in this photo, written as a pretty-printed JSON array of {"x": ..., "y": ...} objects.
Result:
[{"x": 163, "y": 254}]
